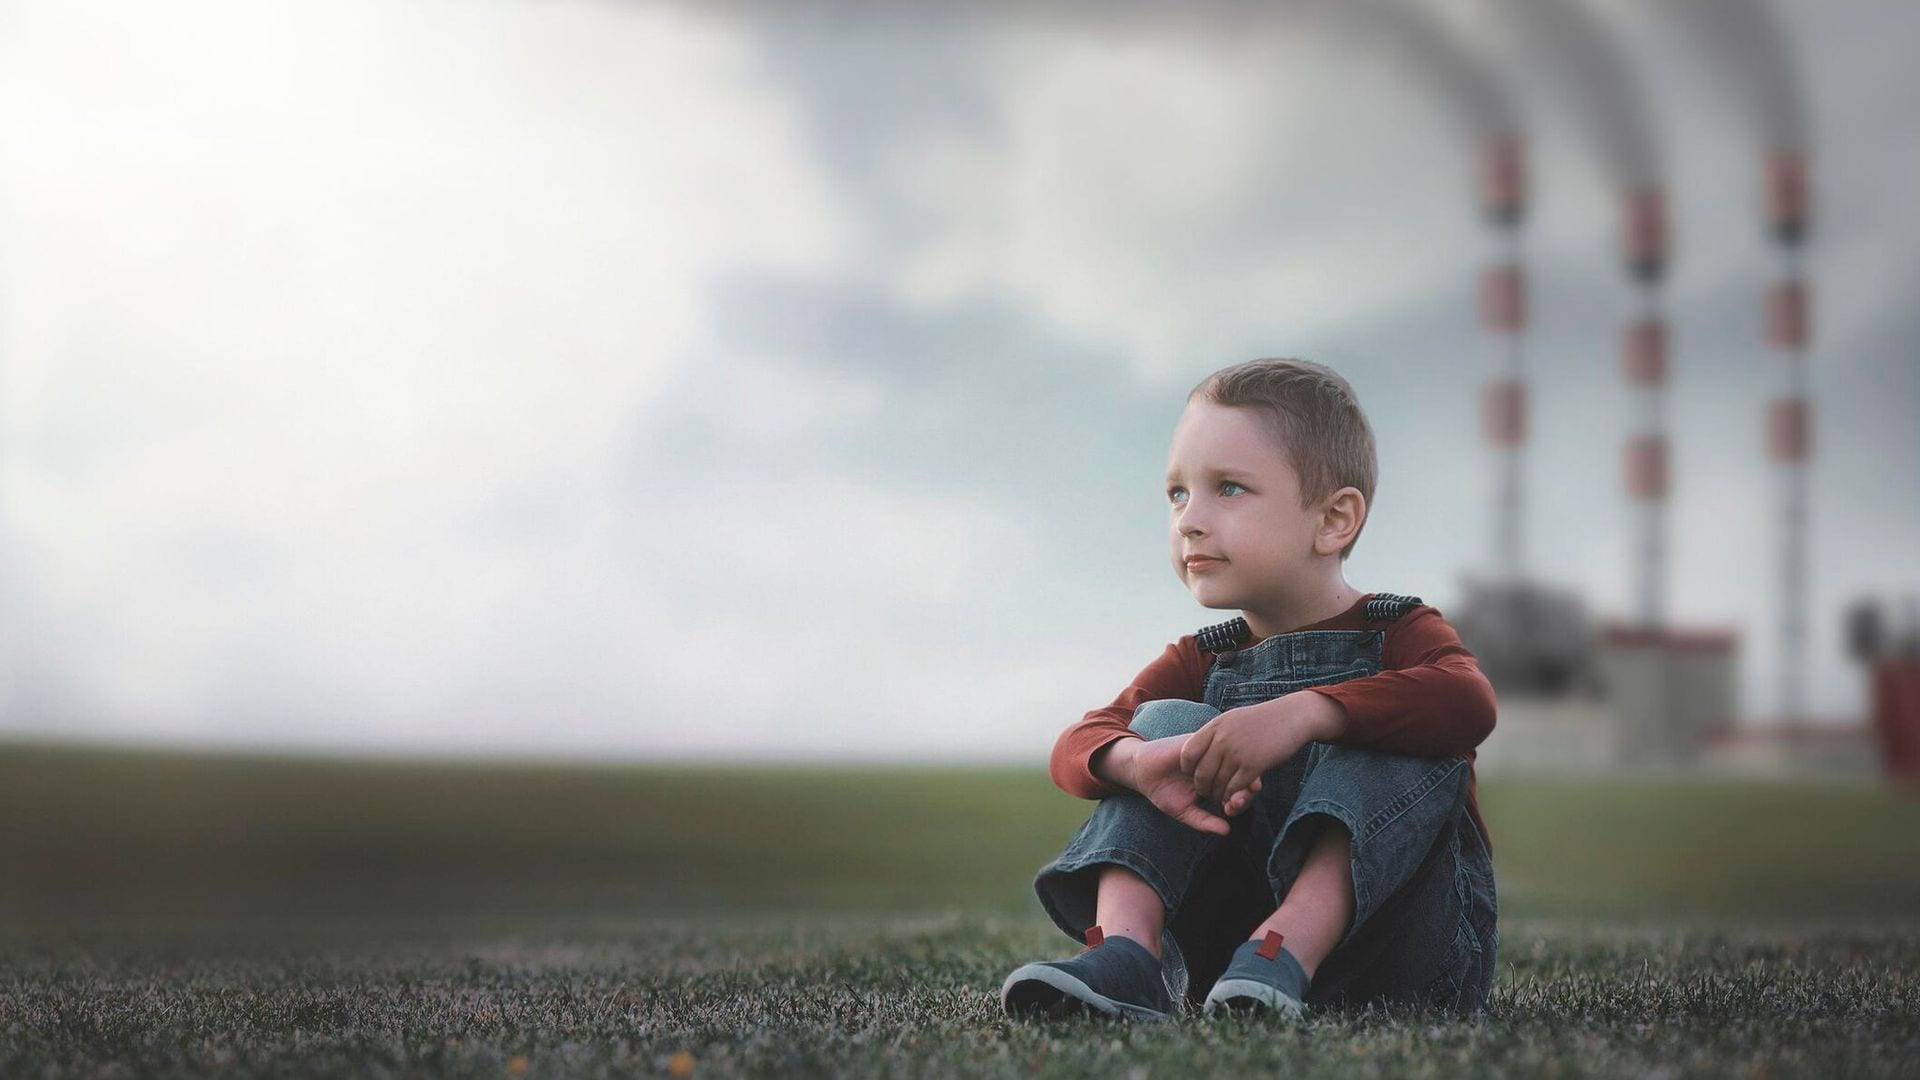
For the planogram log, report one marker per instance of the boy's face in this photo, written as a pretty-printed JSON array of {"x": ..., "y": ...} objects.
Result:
[{"x": 1233, "y": 495}]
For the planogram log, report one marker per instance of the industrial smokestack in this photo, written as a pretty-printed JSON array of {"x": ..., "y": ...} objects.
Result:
[
  {"x": 1645, "y": 368},
  {"x": 1503, "y": 314},
  {"x": 1789, "y": 424},
  {"x": 1747, "y": 49},
  {"x": 1786, "y": 196},
  {"x": 1420, "y": 45},
  {"x": 1573, "y": 53}
]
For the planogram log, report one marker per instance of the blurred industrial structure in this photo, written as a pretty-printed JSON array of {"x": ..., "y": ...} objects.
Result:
[
  {"x": 1578, "y": 694},
  {"x": 1891, "y": 655},
  {"x": 1584, "y": 694}
]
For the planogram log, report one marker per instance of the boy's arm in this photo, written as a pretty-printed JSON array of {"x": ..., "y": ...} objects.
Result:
[
  {"x": 1430, "y": 699},
  {"x": 1178, "y": 672}
]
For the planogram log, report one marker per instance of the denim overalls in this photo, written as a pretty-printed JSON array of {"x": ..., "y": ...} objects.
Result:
[{"x": 1423, "y": 928}]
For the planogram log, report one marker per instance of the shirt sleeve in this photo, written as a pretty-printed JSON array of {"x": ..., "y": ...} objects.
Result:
[
  {"x": 1430, "y": 698},
  {"x": 1178, "y": 672}
]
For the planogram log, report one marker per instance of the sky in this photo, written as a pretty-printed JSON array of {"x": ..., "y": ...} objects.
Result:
[{"x": 672, "y": 380}]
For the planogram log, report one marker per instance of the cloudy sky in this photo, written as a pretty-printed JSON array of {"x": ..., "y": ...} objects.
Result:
[{"x": 670, "y": 380}]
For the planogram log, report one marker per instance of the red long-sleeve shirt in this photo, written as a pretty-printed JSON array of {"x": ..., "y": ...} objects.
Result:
[{"x": 1430, "y": 698}]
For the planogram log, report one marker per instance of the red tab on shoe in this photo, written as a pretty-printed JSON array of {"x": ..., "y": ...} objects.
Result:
[
  {"x": 1270, "y": 945},
  {"x": 1094, "y": 936}
]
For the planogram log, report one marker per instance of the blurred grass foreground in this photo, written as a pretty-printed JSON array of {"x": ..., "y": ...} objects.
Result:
[
  {"x": 144, "y": 836},
  {"x": 194, "y": 914}
]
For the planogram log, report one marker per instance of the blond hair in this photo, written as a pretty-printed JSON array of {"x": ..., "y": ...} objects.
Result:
[{"x": 1313, "y": 417}]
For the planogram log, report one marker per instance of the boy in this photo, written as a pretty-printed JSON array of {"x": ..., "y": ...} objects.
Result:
[{"x": 1287, "y": 814}]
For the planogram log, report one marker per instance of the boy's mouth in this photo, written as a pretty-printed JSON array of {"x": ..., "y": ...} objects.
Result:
[{"x": 1203, "y": 562}]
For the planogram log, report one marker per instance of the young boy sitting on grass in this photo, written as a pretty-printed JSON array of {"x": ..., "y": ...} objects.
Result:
[{"x": 1287, "y": 815}]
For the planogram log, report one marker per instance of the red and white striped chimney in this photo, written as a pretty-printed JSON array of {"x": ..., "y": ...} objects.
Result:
[
  {"x": 1503, "y": 314},
  {"x": 1646, "y": 367},
  {"x": 1789, "y": 422}
]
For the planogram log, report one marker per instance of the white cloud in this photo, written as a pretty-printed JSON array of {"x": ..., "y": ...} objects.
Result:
[
  {"x": 766, "y": 399},
  {"x": 301, "y": 298},
  {"x": 1166, "y": 199}
]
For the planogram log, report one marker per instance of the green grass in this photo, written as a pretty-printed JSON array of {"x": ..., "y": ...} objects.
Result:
[{"x": 187, "y": 915}]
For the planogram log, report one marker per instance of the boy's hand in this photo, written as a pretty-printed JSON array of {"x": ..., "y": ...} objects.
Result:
[
  {"x": 1158, "y": 775},
  {"x": 1227, "y": 755}
]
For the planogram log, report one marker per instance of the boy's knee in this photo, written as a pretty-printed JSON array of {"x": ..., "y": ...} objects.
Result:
[
  {"x": 1416, "y": 793},
  {"x": 1171, "y": 716},
  {"x": 1354, "y": 762}
]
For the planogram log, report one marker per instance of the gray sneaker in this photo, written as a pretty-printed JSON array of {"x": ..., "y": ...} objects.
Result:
[
  {"x": 1113, "y": 976},
  {"x": 1261, "y": 979}
]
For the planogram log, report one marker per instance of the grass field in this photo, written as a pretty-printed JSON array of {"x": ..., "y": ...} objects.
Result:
[{"x": 187, "y": 915}]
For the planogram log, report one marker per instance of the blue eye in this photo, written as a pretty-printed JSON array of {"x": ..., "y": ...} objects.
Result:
[{"x": 1177, "y": 495}]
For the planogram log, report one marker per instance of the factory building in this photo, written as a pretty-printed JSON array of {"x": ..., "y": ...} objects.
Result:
[
  {"x": 1582, "y": 696},
  {"x": 1577, "y": 695}
]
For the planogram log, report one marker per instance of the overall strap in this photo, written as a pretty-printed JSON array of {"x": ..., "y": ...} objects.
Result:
[
  {"x": 1386, "y": 606},
  {"x": 1223, "y": 637},
  {"x": 1226, "y": 636}
]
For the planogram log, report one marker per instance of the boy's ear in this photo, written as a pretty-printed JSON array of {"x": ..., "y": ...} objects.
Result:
[{"x": 1345, "y": 511}]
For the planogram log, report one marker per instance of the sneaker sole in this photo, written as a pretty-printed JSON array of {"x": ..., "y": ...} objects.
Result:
[
  {"x": 1243, "y": 997},
  {"x": 1037, "y": 990}
]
